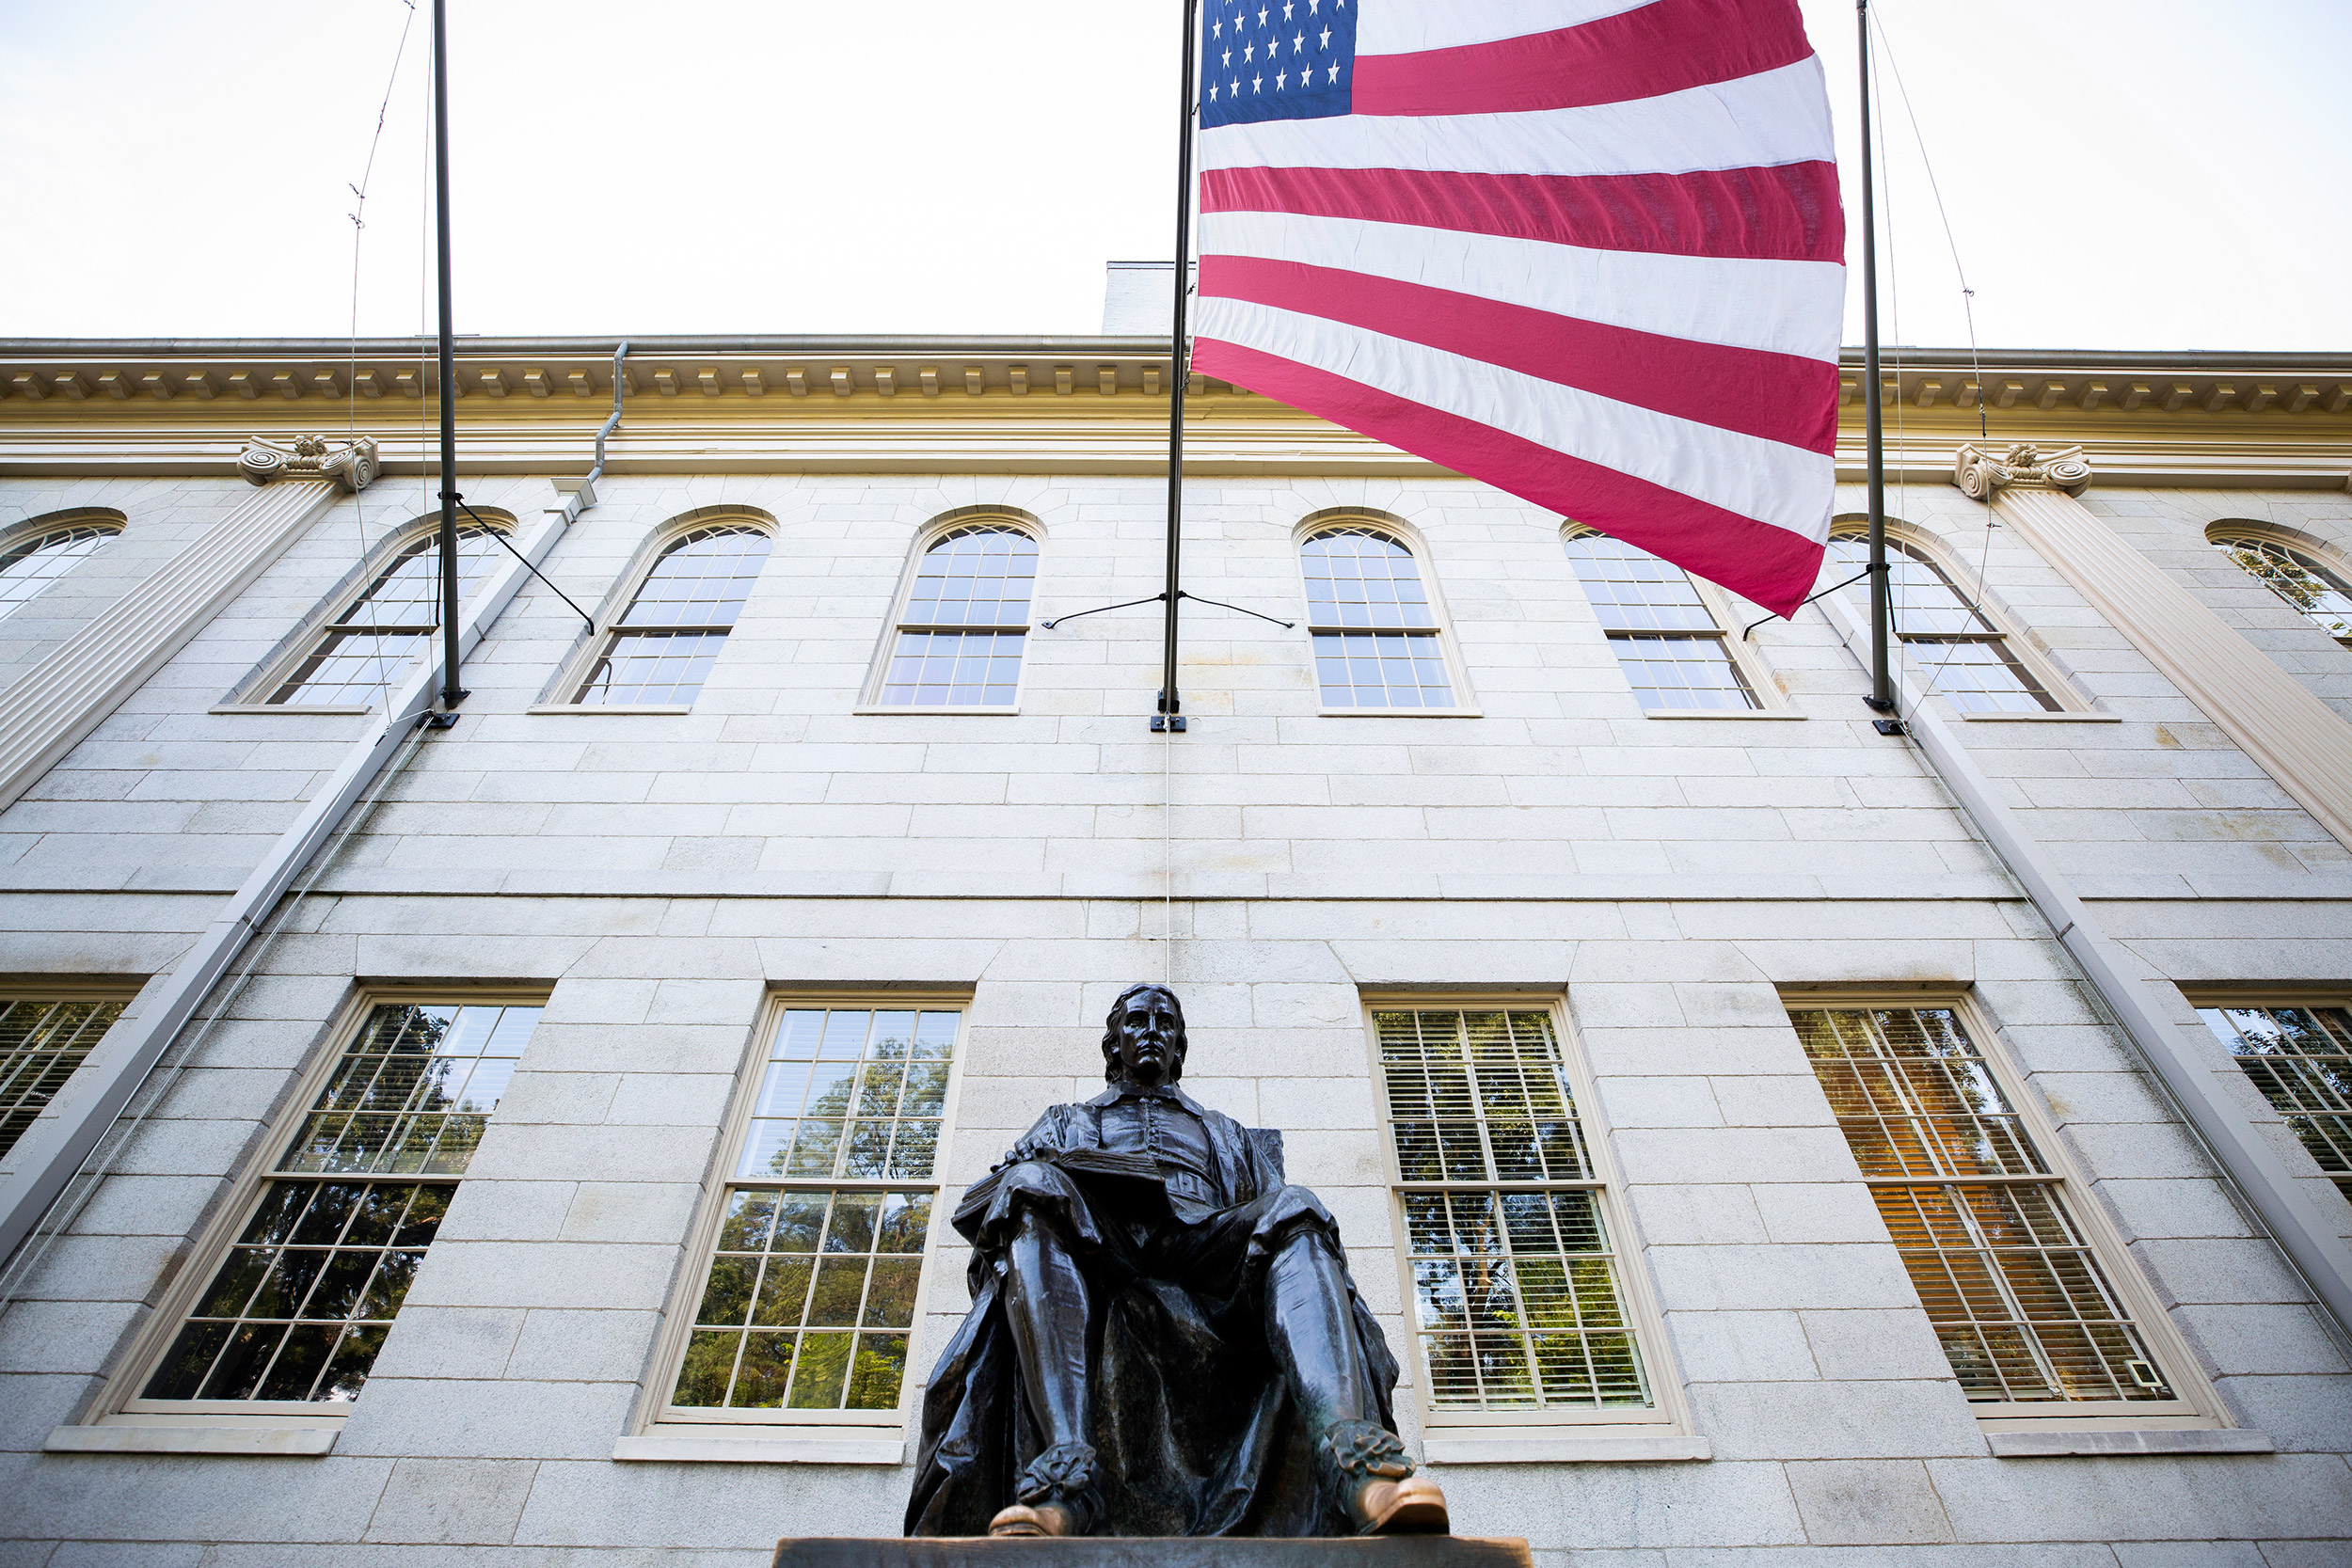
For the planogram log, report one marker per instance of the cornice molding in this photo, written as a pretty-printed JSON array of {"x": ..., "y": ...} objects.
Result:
[{"x": 1068, "y": 405}]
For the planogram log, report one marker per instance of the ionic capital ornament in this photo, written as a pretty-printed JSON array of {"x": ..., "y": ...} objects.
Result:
[
  {"x": 1982, "y": 476},
  {"x": 350, "y": 464}
]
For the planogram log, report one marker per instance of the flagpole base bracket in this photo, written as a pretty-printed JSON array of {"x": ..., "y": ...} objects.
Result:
[
  {"x": 1163, "y": 724},
  {"x": 1889, "y": 726}
]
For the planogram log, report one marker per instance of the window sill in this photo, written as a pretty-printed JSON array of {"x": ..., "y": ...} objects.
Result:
[
  {"x": 1399, "y": 713},
  {"x": 1722, "y": 713},
  {"x": 1562, "y": 1447},
  {"x": 300, "y": 1442},
  {"x": 2051, "y": 1444},
  {"x": 2043, "y": 718},
  {"x": 762, "y": 1446},
  {"x": 588, "y": 711},
  {"x": 314, "y": 710},
  {"x": 973, "y": 710}
]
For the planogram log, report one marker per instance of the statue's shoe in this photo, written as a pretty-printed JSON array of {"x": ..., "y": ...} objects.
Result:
[
  {"x": 1413, "y": 1506},
  {"x": 1043, "y": 1519}
]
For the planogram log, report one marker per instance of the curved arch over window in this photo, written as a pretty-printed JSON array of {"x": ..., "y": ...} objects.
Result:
[
  {"x": 2318, "y": 593},
  {"x": 660, "y": 650},
  {"x": 387, "y": 624},
  {"x": 1666, "y": 639},
  {"x": 1965, "y": 652},
  {"x": 966, "y": 621},
  {"x": 1376, "y": 639},
  {"x": 38, "y": 559}
]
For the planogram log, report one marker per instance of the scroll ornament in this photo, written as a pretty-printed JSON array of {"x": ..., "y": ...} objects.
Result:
[
  {"x": 351, "y": 464},
  {"x": 1982, "y": 476}
]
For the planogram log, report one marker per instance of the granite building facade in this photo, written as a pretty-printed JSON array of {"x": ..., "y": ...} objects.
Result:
[{"x": 548, "y": 1157}]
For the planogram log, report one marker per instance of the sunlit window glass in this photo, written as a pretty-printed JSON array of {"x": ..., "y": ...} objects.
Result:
[
  {"x": 1375, "y": 634},
  {"x": 1665, "y": 638},
  {"x": 660, "y": 651},
  {"x": 372, "y": 641},
  {"x": 30, "y": 566},
  {"x": 974, "y": 577}
]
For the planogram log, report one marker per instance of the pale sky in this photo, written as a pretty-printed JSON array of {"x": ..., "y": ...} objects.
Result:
[{"x": 2119, "y": 174}]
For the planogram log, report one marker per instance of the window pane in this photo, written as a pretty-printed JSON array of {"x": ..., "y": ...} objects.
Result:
[
  {"x": 387, "y": 626},
  {"x": 1360, "y": 669},
  {"x": 1979, "y": 676},
  {"x": 1631, "y": 590},
  {"x": 2018, "y": 1298},
  {"x": 40, "y": 1045},
  {"x": 1515, "y": 1293},
  {"x": 701, "y": 580},
  {"x": 30, "y": 565},
  {"x": 304, "y": 1321},
  {"x": 946, "y": 669},
  {"x": 1682, "y": 672},
  {"x": 817, "y": 1317},
  {"x": 2301, "y": 1060},
  {"x": 2320, "y": 594},
  {"x": 413, "y": 1092},
  {"x": 1925, "y": 602},
  {"x": 809, "y": 1298},
  {"x": 977, "y": 577},
  {"x": 1358, "y": 576},
  {"x": 652, "y": 667},
  {"x": 869, "y": 1108}
]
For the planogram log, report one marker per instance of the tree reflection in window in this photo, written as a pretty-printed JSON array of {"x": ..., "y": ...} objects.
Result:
[{"x": 299, "y": 1308}]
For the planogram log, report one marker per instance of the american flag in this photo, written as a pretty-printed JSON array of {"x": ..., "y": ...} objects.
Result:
[{"x": 1588, "y": 251}]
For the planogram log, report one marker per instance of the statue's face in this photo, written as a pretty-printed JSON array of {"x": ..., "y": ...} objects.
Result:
[{"x": 1150, "y": 1040}]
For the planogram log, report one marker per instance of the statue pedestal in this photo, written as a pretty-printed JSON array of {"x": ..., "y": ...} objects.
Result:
[{"x": 1141, "y": 1551}]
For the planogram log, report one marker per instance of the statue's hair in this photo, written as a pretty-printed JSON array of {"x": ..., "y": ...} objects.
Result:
[{"x": 1119, "y": 1011}]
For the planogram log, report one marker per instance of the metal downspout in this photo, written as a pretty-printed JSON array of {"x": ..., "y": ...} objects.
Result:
[
  {"x": 2264, "y": 1189},
  {"x": 53, "y": 1150}
]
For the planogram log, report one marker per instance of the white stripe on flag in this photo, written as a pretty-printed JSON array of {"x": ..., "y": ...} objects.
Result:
[
  {"x": 1773, "y": 483},
  {"x": 1392, "y": 28},
  {"x": 1771, "y": 118},
  {"x": 1781, "y": 307}
]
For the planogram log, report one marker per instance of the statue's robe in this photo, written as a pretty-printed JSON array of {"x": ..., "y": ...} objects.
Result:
[{"x": 1192, "y": 1418}]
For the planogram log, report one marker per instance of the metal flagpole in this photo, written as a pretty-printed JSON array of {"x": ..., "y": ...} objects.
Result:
[
  {"x": 451, "y": 694},
  {"x": 1881, "y": 696},
  {"x": 1170, "y": 714}
]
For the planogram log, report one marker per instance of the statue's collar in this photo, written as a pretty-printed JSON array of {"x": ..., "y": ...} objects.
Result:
[{"x": 1124, "y": 1090}]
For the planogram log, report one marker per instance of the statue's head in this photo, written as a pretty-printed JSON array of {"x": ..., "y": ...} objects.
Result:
[{"x": 1143, "y": 1039}]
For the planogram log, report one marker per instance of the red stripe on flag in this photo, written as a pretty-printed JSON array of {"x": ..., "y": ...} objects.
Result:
[
  {"x": 1668, "y": 47},
  {"x": 1772, "y": 566},
  {"x": 1774, "y": 397},
  {"x": 1788, "y": 214}
]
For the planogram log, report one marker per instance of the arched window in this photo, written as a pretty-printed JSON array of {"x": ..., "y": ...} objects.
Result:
[
  {"x": 29, "y": 566},
  {"x": 1666, "y": 639},
  {"x": 372, "y": 639},
  {"x": 660, "y": 649},
  {"x": 965, "y": 623},
  {"x": 1959, "y": 647},
  {"x": 1376, "y": 639},
  {"x": 2316, "y": 592}
]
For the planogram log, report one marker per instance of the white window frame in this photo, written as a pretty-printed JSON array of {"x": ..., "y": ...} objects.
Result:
[
  {"x": 1492, "y": 1433},
  {"x": 119, "y": 1404},
  {"x": 661, "y": 1431},
  {"x": 2196, "y": 1404},
  {"x": 1440, "y": 631},
  {"x": 252, "y": 694},
  {"x": 102, "y": 517},
  {"x": 561, "y": 694},
  {"x": 1771, "y": 700},
  {"x": 2006, "y": 632},
  {"x": 878, "y": 673}
]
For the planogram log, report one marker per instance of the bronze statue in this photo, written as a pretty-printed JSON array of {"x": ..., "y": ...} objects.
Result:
[{"x": 1164, "y": 1338}]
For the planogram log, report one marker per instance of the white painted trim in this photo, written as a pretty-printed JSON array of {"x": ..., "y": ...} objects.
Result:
[
  {"x": 1739, "y": 715},
  {"x": 2050, "y": 1445},
  {"x": 1563, "y": 1448},
  {"x": 761, "y": 1446},
  {"x": 304, "y": 1442}
]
